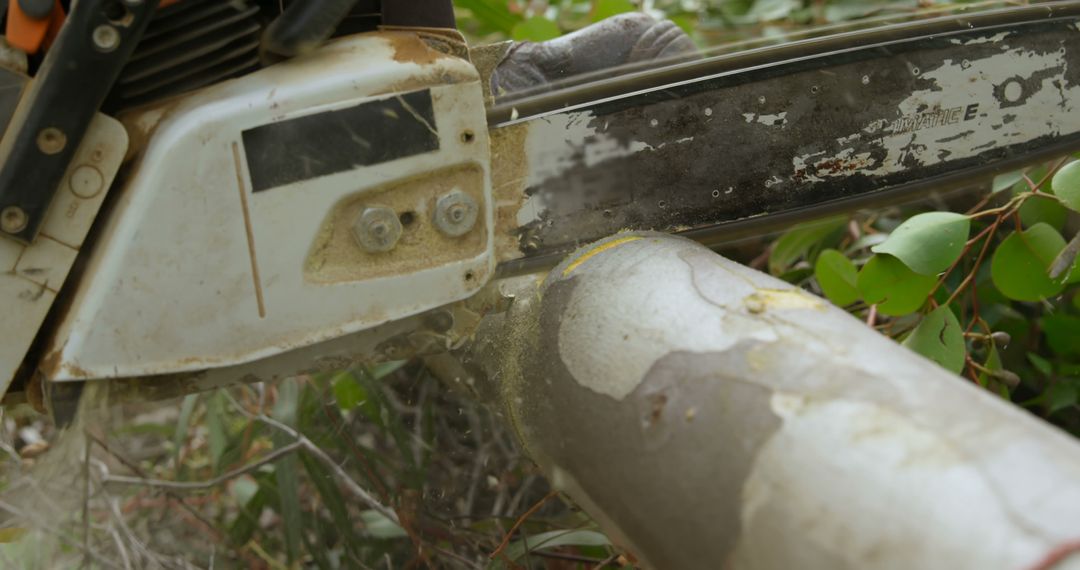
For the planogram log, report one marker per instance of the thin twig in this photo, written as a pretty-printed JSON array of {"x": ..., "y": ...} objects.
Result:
[
  {"x": 960, "y": 258},
  {"x": 339, "y": 428},
  {"x": 610, "y": 560},
  {"x": 978, "y": 260},
  {"x": 404, "y": 518},
  {"x": 342, "y": 476},
  {"x": 141, "y": 473},
  {"x": 202, "y": 485},
  {"x": 264, "y": 555},
  {"x": 520, "y": 494},
  {"x": 571, "y": 557},
  {"x": 307, "y": 445},
  {"x": 120, "y": 548},
  {"x": 521, "y": 520},
  {"x": 12, "y": 453},
  {"x": 69, "y": 540},
  {"x": 86, "y": 500},
  {"x": 419, "y": 445},
  {"x": 454, "y": 555},
  {"x": 114, "y": 510}
]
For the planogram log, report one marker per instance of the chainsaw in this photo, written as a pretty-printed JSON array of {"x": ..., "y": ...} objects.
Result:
[{"x": 195, "y": 193}]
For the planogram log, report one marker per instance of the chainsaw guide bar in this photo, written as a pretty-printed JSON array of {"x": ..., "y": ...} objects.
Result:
[{"x": 721, "y": 146}]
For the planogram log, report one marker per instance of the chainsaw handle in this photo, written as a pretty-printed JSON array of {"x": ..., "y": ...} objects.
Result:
[{"x": 304, "y": 25}]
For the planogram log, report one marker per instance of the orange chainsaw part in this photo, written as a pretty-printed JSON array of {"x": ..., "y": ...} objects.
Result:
[{"x": 30, "y": 35}]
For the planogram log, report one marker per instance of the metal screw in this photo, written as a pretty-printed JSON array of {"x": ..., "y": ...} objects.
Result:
[
  {"x": 13, "y": 219},
  {"x": 51, "y": 140},
  {"x": 455, "y": 213},
  {"x": 106, "y": 38},
  {"x": 377, "y": 229}
]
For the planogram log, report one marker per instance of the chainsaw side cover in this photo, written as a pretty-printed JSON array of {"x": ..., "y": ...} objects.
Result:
[{"x": 236, "y": 235}]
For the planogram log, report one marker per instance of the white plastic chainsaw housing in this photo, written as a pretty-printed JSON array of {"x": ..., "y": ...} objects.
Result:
[{"x": 235, "y": 236}]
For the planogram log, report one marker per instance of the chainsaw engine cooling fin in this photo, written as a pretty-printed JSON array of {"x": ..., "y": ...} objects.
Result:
[{"x": 188, "y": 45}]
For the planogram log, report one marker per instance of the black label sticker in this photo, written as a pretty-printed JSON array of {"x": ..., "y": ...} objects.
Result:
[{"x": 337, "y": 141}]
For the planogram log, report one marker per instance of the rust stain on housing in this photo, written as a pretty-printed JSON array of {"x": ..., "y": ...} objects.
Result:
[
  {"x": 335, "y": 257},
  {"x": 410, "y": 48},
  {"x": 53, "y": 365},
  {"x": 509, "y": 176}
]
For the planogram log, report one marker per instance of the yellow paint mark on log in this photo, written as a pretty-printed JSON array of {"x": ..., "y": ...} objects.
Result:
[
  {"x": 596, "y": 250},
  {"x": 762, "y": 299}
]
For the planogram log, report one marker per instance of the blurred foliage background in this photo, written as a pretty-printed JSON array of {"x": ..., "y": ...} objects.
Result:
[
  {"x": 708, "y": 22},
  {"x": 385, "y": 467}
]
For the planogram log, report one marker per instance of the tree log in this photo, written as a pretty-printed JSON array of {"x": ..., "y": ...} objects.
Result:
[{"x": 710, "y": 416}]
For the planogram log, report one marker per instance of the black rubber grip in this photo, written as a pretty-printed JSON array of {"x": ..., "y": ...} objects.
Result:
[{"x": 304, "y": 25}]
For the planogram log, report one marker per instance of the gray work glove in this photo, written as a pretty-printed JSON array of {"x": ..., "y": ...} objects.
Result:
[{"x": 622, "y": 39}]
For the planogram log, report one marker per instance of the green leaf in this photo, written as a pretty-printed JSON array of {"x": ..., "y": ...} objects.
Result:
[
  {"x": 928, "y": 243},
  {"x": 1062, "y": 334},
  {"x": 332, "y": 499},
  {"x": 849, "y": 10},
  {"x": 797, "y": 276},
  {"x": 378, "y": 526},
  {"x": 492, "y": 13},
  {"x": 217, "y": 433},
  {"x": 287, "y": 403},
  {"x": 535, "y": 29},
  {"x": 1066, "y": 183},
  {"x": 247, "y": 520},
  {"x": 380, "y": 411},
  {"x": 766, "y": 10},
  {"x": 314, "y": 542},
  {"x": 939, "y": 337},
  {"x": 347, "y": 391},
  {"x": 796, "y": 242},
  {"x": 837, "y": 276},
  {"x": 1041, "y": 208},
  {"x": 993, "y": 364},
  {"x": 384, "y": 369},
  {"x": 1007, "y": 180},
  {"x": 686, "y": 22},
  {"x": 1062, "y": 394},
  {"x": 886, "y": 282},
  {"x": 286, "y": 469},
  {"x": 1041, "y": 364},
  {"x": 1021, "y": 263},
  {"x": 1044, "y": 209},
  {"x": 607, "y": 8},
  {"x": 182, "y": 424},
  {"x": 866, "y": 241},
  {"x": 243, "y": 489},
  {"x": 555, "y": 538},
  {"x": 11, "y": 534}
]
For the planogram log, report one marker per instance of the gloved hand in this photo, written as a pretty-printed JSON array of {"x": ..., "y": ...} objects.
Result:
[{"x": 622, "y": 39}]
